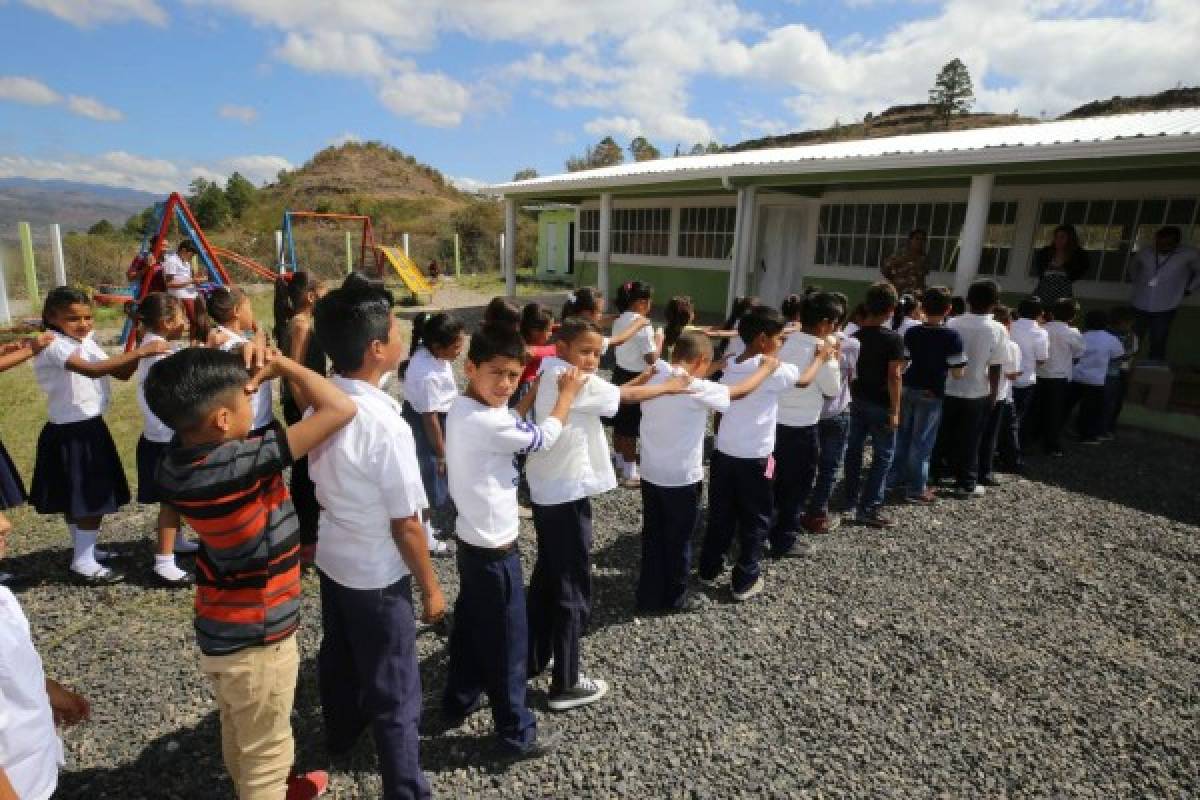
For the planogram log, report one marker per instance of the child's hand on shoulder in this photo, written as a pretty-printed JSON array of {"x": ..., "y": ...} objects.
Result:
[
  {"x": 263, "y": 361},
  {"x": 571, "y": 380},
  {"x": 41, "y": 341},
  {"x": 154, "y": 348},
  {"x": 825, "y": 352},
  {"x": 677, "y": 384},
  {"x": 771, "y": 363},
  {"x": 639, "y": 322}
]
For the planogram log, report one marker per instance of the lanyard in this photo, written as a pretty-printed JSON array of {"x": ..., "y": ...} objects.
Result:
[{"x": 1158, "y": 265}]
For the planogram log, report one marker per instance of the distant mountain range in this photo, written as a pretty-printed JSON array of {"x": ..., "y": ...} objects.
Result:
[{"x": 75, "y": 206}]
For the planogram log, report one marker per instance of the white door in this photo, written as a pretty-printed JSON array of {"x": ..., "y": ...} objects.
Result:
[
  {"x": 552, "y": 247},
  {"x": 778, "y": 267}
]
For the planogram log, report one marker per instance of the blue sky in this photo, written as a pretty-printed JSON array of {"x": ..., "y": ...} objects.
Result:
[{"x": 150, "y": 93}]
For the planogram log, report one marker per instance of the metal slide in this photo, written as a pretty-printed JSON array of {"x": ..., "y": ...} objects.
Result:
[{"x": 408, "y": 271}]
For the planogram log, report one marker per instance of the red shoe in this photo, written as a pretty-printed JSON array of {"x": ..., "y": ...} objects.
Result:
[
  {"x": 308, "y": 554},
  {"x": 819, "y": 523},
  {"x": 307, "y": 785}
]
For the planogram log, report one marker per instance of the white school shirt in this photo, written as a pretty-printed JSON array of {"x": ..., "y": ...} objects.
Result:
[
  {"x": 1035, "y": 346},
  {"x": 577, "y": 466},
  {"x": 631, "y": 355},
  {"x": 800, "y": 407},
  {"x": 176, "y": 269},
  {"x": 748, "y": 427},
  {"x": 848, "y": 348},
  {"x": 907, "y": 324},
  {"x": 366, "y": 475},
  {"x": 1012, "y": 363},
  {"x": 30, "y": 750},
  {"x": 481, "y": 443},
  {"x": 1099, "y": 349},
  {"x": 261, "y": 402},
  {"x": 1065, "y": 345},
  {"x": 984, "y": 346},
  {"x": 154, "y": 429},
  {"x": 673, "y": 428},
  {"x": 71, "y": 397},
  {"x": 429, "y": 384},
  {"x": 735, "y": 348}
]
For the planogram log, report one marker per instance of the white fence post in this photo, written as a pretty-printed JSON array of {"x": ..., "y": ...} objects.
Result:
[
  {"x": 5, "y": 313},
  {"x": 404, "y": 237},
  {"x": 60, "y": 264},
  {"x": 279, "y": 251}
]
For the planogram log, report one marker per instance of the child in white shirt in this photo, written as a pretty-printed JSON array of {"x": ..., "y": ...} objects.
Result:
[
  {"x": 1101, "y": 349},
  {"x": 371, "y": 546},
  {"x": 1065, "y": 344},
  {"x": 1027, "y": 331},
  {"x": 561, "y": 479},
  {"x": 832, "y": 429},
  {"x": 673, "y": 430},
  {"x": 633, "y": 357},
  {"x": 1000, "y": 431},
  {"x": 78, "y": 472},
  {"x": 489, "y": 642},
  {"x": 741, "y": 500},
  {"x": 162, "y": 320},
  {"x": 429, "y": 391},
  {"x": 228, "y": 323}
]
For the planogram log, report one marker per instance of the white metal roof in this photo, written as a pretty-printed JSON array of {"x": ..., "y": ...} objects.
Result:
[{"x": 1147, "y": 133}]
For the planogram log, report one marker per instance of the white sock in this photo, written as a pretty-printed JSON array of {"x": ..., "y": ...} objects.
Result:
[
  {"x": 184, "y": 544},
  {"x": 84, "y": 558},
  {"x": 430, "y": 539},
  {"x": 166, "y": 567},
  {"x": 98, "y": 553},
  {"x": 630, "y": 470}
]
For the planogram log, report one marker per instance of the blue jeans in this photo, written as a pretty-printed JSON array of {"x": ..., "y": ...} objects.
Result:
[
  {"x": 831, "y": 447},
  {"x": 920, "y": 415},
  {"x": 868, "y": 419}
]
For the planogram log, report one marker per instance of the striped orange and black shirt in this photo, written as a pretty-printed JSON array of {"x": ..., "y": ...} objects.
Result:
[{"x": 248, "y": 565}]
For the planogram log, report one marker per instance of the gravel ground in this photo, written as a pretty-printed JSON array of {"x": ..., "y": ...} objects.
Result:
[{"x": 1042, "y": 641}]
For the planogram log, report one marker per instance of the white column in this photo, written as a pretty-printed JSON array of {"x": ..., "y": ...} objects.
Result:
[
  {"x": 743, "y": 244},
  {"x": 60, "y": 264},
  {"x": 605, "y": 244},
  {"x": 5, "y": 313},
  {"x": 510, "y": 247},
  {"x": 279, "y": 251},
  {"x": 808, "y": 242},
  {"x": 970, "y": 242}
]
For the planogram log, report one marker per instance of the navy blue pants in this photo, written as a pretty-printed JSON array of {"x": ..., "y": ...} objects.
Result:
[
  {"x": 831, "y": 434},
  {"x": 367, "y": 675},
  {"x": 1026, "y": 423},
  {"x": 741, "y": 503},
  {"x": 999, "y": 440},
  {"x": 1051, "y": 409},
  {"x": 963, "y": 423},
  {"x": 669, "y": 517},
  {"x": 560, "y": 590},
  {"x": 489, "y": 643},
  {"x": 796, "y": 451}
]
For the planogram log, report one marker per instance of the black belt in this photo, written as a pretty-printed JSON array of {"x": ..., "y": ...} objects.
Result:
[{"x": 488, "y": 553}]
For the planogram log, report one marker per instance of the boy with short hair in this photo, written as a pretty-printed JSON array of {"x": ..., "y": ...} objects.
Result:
[
  {"x": 1065, "y": 345},
  {"x": 371, "y": 546},
  {"x": 1101, "y": 352},
  {"x": 875, "y": 410},
  {"x": 1027, "y": 331},
  {"x": 969, "y": 398},
  {"x": 489, "y": 641},
  {"x": 741, "y": 500},
  {"x": 1000, "y": 429},
  {"x": 1120, "y": 325},
  {"x": 230, "y": 489}
]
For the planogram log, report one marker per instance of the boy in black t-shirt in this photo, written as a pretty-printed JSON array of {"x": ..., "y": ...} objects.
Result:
[
  {"x": 875, "y": 410},
  {"x": 933, "y": 351}
]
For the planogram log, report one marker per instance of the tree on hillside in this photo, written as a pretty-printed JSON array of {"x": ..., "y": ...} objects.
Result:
[
  {"x": 102, "y": 228},
  {"x": 137, "y": 224},
  {"x": 642, "y": 150},
  {"x": 240, "y": 193},
  {"x": 209, "y": 203},
  {"x": 529, "y": 173},
  {"x": 952, "y": 91},
  {"x": 700, "y": 148},
  {"x": 606, "y": 153}
]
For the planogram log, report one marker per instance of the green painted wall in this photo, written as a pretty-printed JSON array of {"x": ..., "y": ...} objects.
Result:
[
  {"x": 706, "y": 287},
  {"x": 563, "y": 219}
]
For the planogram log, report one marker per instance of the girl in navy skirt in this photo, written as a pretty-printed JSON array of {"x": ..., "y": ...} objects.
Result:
[
  {"x": 77, "y": 472},
  {"x": 12, "y": 489},
  {"x": 429, "y": 390},
  {"x": 633, "y": 357},
  {"x": 162, "y": 319},
  {"x": 226, "y": 323},
  {"x": 295, "y": 297}
]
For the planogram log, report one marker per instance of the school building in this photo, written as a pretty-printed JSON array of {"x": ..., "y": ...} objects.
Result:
[{"x": 768, "y": 222}]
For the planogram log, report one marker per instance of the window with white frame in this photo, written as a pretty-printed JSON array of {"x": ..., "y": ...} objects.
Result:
[
  {"x": 865, "y": 234},
  {"x": 641, "y": 231},
  {"x": 1111, "y": 229},
  {"x": 589, "y": 231},
  {"x": 707, "y": 232}
]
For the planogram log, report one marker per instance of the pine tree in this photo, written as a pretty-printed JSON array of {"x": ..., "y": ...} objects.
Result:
[
  {"x": 642, "y": 150},
  {"x": 952, "y": 91},
  {"x": 529, "y": 173}
]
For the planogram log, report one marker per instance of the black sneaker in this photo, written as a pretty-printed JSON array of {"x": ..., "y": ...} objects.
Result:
[
  {"x": 872, "y": 520},
  {"x": 545, "y": 744},
  {"x": 585, "y": 692},
  {"x": 799, "y": 549}
]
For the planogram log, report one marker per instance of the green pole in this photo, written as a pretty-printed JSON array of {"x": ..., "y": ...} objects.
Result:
[
  {"x": 27, "y": 257},
  {"x": 457, "y": 260},
  {"x": 349, "y": 252}
]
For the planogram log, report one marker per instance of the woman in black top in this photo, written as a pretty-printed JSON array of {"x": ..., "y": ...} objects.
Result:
[{"x": 1059, "y": 264}]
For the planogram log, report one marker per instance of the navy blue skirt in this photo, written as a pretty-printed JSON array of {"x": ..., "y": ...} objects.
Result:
[
  {"x": 149, "y": 454},
  {"x": 12, "y": 490},
  {"x": 78, "y": 471},
  {"x": 628, "y": 421},
  {"x": 437, "y": 488}
]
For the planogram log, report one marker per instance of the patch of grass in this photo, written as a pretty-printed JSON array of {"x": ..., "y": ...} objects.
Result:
[{"x": 493, "y": 283}]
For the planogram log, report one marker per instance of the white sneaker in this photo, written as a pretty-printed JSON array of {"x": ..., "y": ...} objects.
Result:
[
  {"x": 750, "y": 591},
  {"x": 585, "y": 692}
]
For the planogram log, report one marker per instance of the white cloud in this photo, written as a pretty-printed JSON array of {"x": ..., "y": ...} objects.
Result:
[
  {"x": 124, "y": 169},
  {"x": 336, "y": 52},
  {"x": 243, "y": 114},
  {"x": 429, "y": 98},
  {"x": 86, "y": 13},
  {"x": 29, "y": 91},
  {"x": 93, "y": 109},
  {"x": 467, "y": 184}
]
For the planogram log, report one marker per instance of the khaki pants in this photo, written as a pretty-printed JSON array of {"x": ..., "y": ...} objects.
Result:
[{"x": 255, "y": 689}]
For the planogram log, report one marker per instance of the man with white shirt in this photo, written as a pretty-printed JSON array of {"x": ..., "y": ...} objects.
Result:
[
  {"x": 1032, "y": 339},
  {"x": 1162, "y": 276},
  {"x": 969, "y": 398},
  {"x": 370, "y": 547}
]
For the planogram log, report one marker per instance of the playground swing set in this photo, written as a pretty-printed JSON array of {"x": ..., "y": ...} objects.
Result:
[{"x": 146, "y": 275}]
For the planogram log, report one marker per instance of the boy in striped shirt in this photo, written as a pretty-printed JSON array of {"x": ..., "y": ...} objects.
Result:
[{"x": 230, "y": 489}]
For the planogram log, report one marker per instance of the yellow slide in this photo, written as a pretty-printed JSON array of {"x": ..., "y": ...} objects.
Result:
[{"x": 408, "y": 271}]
